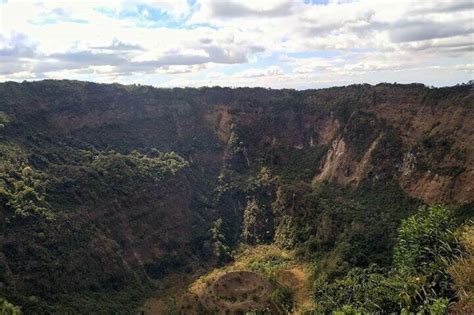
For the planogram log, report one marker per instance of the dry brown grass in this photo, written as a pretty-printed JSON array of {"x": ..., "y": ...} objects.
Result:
[
  {"x": 210, "y": 289},
  {"x": 463, "y": 275},
  {"x": 296, "y": 278}
]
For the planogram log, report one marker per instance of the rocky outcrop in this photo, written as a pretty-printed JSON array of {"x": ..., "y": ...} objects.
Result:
[{"x": 435, "y": 158}]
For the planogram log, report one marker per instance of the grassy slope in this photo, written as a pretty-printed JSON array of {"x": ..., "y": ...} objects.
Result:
[{"x": 278, "y": 266}]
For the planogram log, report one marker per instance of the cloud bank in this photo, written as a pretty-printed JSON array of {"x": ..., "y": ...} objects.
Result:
[{"x": 281, "y": 43}]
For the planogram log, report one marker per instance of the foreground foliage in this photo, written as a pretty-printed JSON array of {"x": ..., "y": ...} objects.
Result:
[
  {"x": 7, "y": 308},
  {"x": 427, "y": 249}
]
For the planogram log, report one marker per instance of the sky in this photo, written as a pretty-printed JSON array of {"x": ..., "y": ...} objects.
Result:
[{"x": 277, "y": 44}]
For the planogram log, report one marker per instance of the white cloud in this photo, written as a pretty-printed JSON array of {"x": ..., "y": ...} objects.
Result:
[
  {"x": 255, "y": 73},
  {"x": 181, "y": 43},
  {"x": 246, "y": 8}
]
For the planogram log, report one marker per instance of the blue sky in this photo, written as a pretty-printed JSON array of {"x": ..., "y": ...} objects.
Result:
[{"x": 279, "y": 43}]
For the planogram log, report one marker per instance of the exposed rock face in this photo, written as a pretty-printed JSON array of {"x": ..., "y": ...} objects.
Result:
[
  {"x": 341, "y": 168},
  {"x": 436, "y": 144},
  {"x": 424, "y": 138}
]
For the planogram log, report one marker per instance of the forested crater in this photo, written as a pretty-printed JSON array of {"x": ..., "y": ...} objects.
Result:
[{"x": 336, "y": 199}]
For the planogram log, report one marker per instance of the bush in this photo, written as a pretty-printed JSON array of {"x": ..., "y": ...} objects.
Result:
[
  {"x": 7, "y": 308},
  {"x": 426, "y": 241},
  {"x": 438, "y": 306},
  {"x": 462, "y": 273},
  {"x": 283, "y": 296},
  {"x": 418, "y": 280},
  {"x": 4, "y": 120}
]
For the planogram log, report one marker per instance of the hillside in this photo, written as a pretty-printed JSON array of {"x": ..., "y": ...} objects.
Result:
[{"x": 107, "y": 190}]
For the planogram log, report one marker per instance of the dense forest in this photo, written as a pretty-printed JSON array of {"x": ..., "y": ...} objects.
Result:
[{"x": 107, "y": 190}]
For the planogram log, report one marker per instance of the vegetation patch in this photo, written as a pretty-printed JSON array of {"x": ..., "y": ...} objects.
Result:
[
  {"x": 262, "y": 278},
  {"x": 419, "y": 278}
]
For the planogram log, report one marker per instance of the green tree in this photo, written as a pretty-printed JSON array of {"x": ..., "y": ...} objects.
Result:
[
  {"x": 426, "y": 241},
  {"x": 22, "y": 191},
  {"x": 257, "y": 225},
  {"x": 220, "y": 248},
  {"x": 4, "y": 120}
]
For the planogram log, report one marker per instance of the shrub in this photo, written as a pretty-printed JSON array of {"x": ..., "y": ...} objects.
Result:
[
  {"x": 426, "y": 241},
  {"x": 283, "y": 296},
  {"x": 462, "y": 273},
  {"x": 418, "y": 279},
  {"x": 7, "y": 308}
]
